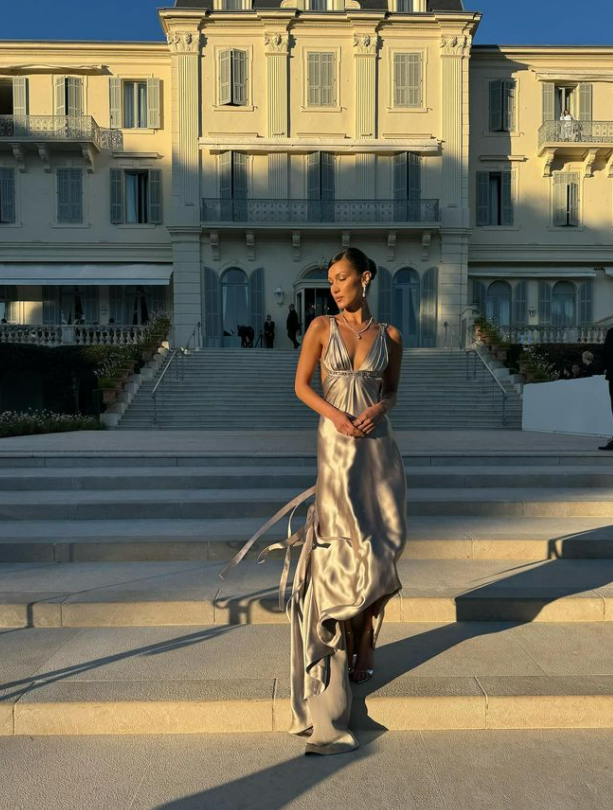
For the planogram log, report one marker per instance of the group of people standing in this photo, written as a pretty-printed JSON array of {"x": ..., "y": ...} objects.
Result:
[{"x": 292, "y": 325}]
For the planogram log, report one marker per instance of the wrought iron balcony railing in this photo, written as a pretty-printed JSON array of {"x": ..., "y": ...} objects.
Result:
[
  {"x": 50, "y": 128},
  {"x": 293, "y": 212},
  {"x": 576, "y": 132}
]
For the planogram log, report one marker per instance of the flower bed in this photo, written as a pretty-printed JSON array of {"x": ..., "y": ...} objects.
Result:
[{"x": 26, "y": 423}]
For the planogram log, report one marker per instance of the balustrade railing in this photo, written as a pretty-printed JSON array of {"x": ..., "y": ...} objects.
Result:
[
  {"x": 324, "y": 211},
  {"x": 554, "y": 334},
  {"x": 576, "y": 131},
  {"x": 50, "y": 127},
  {"x": 75, "y": 335}
]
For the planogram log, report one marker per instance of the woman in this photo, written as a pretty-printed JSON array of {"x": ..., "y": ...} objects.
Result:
[
  {"x": 567, "y": 125},
  {"x": 356, "y": 529}
]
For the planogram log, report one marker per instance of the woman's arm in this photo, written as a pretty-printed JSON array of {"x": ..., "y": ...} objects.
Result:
[
  {"x": 391, "y": 375},
  {"x": 312, "y": 345}
]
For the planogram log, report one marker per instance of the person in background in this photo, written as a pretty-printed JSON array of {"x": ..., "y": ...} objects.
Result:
[
  {"x": 607, "y": 364},
  {"x": 293, "y": 324},
  {"x": 567, "y": 125},
  {"x": 269, "y": 332},
  {"x": 588, "y": 366}
]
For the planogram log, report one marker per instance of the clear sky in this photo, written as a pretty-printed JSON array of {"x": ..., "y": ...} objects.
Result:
[{"x": 505, "y": 22}]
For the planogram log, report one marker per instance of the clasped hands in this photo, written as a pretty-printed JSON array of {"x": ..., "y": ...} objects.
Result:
[{"x": 361, "y": 425}]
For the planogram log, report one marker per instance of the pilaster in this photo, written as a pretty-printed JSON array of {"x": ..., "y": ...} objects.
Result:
[
  {"x": 276, "y": 46},
  {"x": 365, "y": 54},
  {"x": 455, "y": 50},
  {"x": 186, "y": 281}
]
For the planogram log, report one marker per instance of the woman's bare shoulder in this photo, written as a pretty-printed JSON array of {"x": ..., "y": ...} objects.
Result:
[{"x": 394, "y": 334}]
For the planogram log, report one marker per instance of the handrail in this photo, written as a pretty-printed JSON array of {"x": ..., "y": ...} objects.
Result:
[
  {"x": 181, "y": 351},
  {"x": 449, "y": 327},
  {"x": 504, "y": 393}
]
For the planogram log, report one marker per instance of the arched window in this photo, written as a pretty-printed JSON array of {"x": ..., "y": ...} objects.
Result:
[
  {"x": 234, "y": 299},
  {"x": 8, "y": 303},
  {"x": 563, "y": 304},
  {"x": 498, "y": 303},
  {"x": 406, "y": 311}
]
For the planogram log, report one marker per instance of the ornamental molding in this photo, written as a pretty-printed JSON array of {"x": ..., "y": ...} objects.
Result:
[
  {"x": 183, "y": 41},
  {"x": 276, "y": 43},
  {"x": 456, "y": 45},
  {"x": 365, "y": 43}
]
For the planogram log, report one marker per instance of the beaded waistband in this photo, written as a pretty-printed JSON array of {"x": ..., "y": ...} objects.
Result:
[{"x": 375, "y": 375}]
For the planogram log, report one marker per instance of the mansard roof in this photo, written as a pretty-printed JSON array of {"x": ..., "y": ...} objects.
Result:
[{"x": 433, "y": 5}]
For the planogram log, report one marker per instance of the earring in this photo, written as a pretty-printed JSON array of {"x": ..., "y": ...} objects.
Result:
[{"x": 363, "y": 290}]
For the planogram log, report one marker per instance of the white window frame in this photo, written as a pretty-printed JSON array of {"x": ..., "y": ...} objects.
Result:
[
  {"x": 139, "y": 77},
  {"x": 71, "y": 164},
  {"x": 221, "y": 5},
  {"x": 423, "y": 108},
  {"x": 249, "y": 106},
  {"x": 323, "y": 48},
  {"x": 7, "y": 164},
  {"x": 419, "y": 7}
]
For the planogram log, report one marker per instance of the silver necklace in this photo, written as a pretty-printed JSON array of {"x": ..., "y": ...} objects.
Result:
[{"x": 358, "y": 333}]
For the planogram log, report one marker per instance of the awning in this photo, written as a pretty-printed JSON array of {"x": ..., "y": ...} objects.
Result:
[
  {"x": 521, "y": 271},
  {"x": 100, "y": 273}
]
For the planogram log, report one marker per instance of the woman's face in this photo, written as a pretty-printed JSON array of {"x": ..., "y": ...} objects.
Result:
[{"x": 346, "y": 283}]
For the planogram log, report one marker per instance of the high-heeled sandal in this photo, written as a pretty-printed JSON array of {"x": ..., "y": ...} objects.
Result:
[{"x": 369, "y": 672}]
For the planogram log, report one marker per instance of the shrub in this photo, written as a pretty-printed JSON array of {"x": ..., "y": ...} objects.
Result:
[{"x": 31, "y": 422}]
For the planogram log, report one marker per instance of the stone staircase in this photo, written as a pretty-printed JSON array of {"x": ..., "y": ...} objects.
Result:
[
  {"x": 221, "y": 389},
  {"x": 117, "y": 625}
]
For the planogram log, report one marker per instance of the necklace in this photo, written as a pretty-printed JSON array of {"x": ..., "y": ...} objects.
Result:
[{"x": 358, "y": 333}]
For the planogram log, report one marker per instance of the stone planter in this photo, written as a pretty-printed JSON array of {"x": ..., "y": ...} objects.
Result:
[{"x": 109, "y": 395}]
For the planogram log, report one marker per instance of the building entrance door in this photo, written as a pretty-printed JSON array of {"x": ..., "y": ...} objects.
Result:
[{"x": 314, "y": 301}]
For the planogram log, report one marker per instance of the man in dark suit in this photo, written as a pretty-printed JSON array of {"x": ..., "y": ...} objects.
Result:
[
  {"x": 607, "y": 365},
  {"x": 292, "y": 324},
  {"x": 269, "y": 332}
]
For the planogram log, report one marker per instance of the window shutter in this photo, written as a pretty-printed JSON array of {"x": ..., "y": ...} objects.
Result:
[
  {"x": 508, "y": 110},
  {"x": 586, "y": 295},
  {"x": 224, "y": 167},
  {"x": 520, "y": 312},
  {"x": 20, "y": 95},
  {"x": 7, "y": 195},
  {"x": 59, "y": 95},
  {"x": 117, "y": 212},
  {"x": 544, "y": 302},
  {"x": 154, "y": 187},
  {"x": 212, "y": 307},
  {"x": 585, "y": 101},
  {"x": 328, "y": 166},
  {"x": 401, "y": 83},
  {"x": 496, "y": 105},
  {"x": 483, "y": 198},
  {"x": 313, "y": 176},
  {"x": 560, "y": 198},
  {"x": 428, "y": 307},
  {"x": 63, "y": 195},
  {"x": 153, "y": 103},
  {"x": 479, "y": 295},
  {"x": 314, "y": 79},
  {"x": 573, "y": 198},
  {"x": 115, "y": 102},
  {"x": 549, "y": 101},
  {"x": 225, "y": 77},
  {"x": 74, "y": 96},
  {"x": 328, "y": 79},
  {"x": 400, "y": 175},
  {"x": 506, "y": 194},
  {"x": 239, "y": 176},
  {"x": 239, "y": 77},
  {"x": 414, "y": 177},
  {"x": 76, "y": 195},
  {"x": 414, "y": 79},
  {"x": 384, "y": 281},
  {"x": 256, "y": 300}
]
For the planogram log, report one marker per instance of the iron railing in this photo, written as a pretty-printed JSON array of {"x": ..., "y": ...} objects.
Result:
[
  {"x": 322, "y": 211},
  {"x": 50, "y": 128},
  {"x": 176, "y": 367},
  {"x": 576, "y": 131}
]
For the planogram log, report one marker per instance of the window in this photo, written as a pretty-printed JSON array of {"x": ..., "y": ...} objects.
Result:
[
  {"x": 6, "y": 97},
  {"x": 136, "y": 196},
  {"x": 7, "y": 195},
  {"x": 69, "y": 186},
  {"x": 407, "y": 187},
  {"x": 317, "y": 5},
  {"x": 70, "y": 304},
  {"x": 495, "y": 198},
  {"x": 321, "y": 186},
  {"x": 132, "y": 304},
  {"x": 563, "y": 304},
  {"x": 405, "y": 6},
  {"x": 407, "y": 80},
  {"x": 502, "y": 105},
  {"x": 498, "y": 303},
  {"x": 134, "y": 104},
  {"x": 566, "y": 199},
  {"x": 576, "y": 98},
  {"x": 321, "y": 79},
  {"x": 235, "y": 5},
  {"x": 233, "y": 77},
  {"x": 68, "y": 95},
  {"x": 232, "y": 174}
]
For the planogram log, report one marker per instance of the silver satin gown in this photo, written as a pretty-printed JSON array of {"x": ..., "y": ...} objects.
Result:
[{"x": 352, "y": 538}]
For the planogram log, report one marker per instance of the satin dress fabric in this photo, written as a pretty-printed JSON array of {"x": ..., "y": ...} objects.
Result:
[{"x": 358, "y": 532}]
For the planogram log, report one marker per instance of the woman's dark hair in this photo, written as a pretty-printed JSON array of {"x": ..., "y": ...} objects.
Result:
[{"x": 357, "y": 258}]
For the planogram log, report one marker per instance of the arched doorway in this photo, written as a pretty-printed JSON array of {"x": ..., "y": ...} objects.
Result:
[
  {"x": 313, "y": 296},
  {"x": 563, "y": 304},
  {"x": 234, "y": 300},
  {"x": 498, "y": 303},
  {"x": 406, "y": 311}
]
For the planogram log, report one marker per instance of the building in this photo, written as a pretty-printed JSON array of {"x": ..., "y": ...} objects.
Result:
[{"x": 215, "y": 174}]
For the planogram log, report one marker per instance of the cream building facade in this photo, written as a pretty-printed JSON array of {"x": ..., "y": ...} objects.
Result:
[{"x": 215, "y": 174}]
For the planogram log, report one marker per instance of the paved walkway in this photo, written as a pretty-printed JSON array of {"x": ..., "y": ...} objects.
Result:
[{"x": 291, "y": 443}]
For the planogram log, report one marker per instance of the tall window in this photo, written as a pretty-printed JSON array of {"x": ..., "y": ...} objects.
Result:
[
  {"x": 7, "y": 195},
  {"x": 131, "y": 305},
  {"x": 232, "y": 169},
  {"x": 498, "y": 303},
  {"x": 70, "y": 304},
  {"x": 6, "y": 97},
  {"x": 135, "y": 104},
  {"x": 234, "y": 300},
  {"x": 69, "y": 196},
  {"x": 406, "y": 6},
  {"x": 502, "y": 105},
  {"x": 563, "y": 306},
  {"x": 8, "y": 303},
  {"x": 576, "y": 98},
  {"x": 233, "y": 77},
  {"x": 495, "y": 198},
  {"x": 321, "y": 185},
  {"x": 68, "y": 91},
  {"x": 407, "y": 187},
  {"x": 321, "y": 79},
  {"x": 407, "y": 80},
  {"x": 136, "y": 196},
  {"x": 566, "y": 199}
]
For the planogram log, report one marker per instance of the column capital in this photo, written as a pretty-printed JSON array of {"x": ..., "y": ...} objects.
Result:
[
  {"x": 183, "y": 41},
  {"x": 276, "y": 43},
  {"x": 455, "y": 44},
  {"x": 365, "y": 44}
]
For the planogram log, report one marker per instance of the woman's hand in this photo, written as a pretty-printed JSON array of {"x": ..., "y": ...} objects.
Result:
[
  {"x": 344, "y": 423},
  {"x": 369, "y": 418}
]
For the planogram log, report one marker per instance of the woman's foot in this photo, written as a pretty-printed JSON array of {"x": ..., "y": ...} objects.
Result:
[{"x": 363, "y": 669}]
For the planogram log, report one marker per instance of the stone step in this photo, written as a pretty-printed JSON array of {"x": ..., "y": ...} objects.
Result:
[
  {"x": 430, "y": 538},
  {"x": 183, "y": 593},
  {"x": 230, "y": 477},
  {"x": 207, "y": 679},
  {"x": 222, "y": 503}
]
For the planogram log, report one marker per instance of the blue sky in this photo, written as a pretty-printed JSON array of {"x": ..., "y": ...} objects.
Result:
[{"x": 543, "y": 22}]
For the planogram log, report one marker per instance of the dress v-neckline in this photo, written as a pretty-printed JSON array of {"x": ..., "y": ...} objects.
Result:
[{"x": 338, "y": 331}]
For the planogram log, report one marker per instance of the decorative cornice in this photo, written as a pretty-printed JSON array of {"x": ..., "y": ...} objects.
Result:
[
  {"x": 365, "y": 43},
  {"x": 456, "y": 45},
  {"x": 276, "y": 42},
  {"x": 183, "y": 41}
]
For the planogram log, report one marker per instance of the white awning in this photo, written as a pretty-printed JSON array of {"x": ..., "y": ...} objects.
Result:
[
  {"x": 521, "y": 271},
  {"x": 101, "y": 273}
]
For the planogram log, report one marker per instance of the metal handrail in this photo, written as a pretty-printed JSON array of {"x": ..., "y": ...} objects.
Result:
[
  {"x": 181, "y": 351},
  {"x": 504, "y": 393},
  {"x": 449, "y": 327}
]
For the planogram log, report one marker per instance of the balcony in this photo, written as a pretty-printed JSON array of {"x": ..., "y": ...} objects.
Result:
[
  {"x": 318, "y": 213},
  {"x": 44, "y": 133},
  {"x": 71, "y": 335},
  {"x": 583, "y": 140}
]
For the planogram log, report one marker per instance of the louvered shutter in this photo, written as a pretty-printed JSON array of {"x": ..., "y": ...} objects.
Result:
[
  {"x": 496, "y": 105},
  {"x": 59, "y": 95},
  {"x": 153, "y": 103},
  {"x": 239, "y": 77},
  {"x": 506, "y": 198},
  {"x": 313, "y": 164},
  {"x": 7, "y": 194},
  {"x": 225, "y": 77},
  {"x": 328, "y": 79},
  {"x": 63, "y": 195},
  {"x": 549, "y": 101},
  {"x": 115, "y": 102},
  {"x": 154, "y": 189},
  {"x": 414, "y": 79},
  {"x": 479, "y": 295},
  {"x": 508, "y": 109},
  {"x": 585, "y": 101},
  {"x": 117, "y": 210},
  {"x": 400, "y": 187},
  {"x": 586, "y": 299},
  {"x": 76, "y": 195},
  {"x": 401, "y": 80},
  {"x": 212, "y": 307},
  {"x": 384, "y": 282},
  {"x": 239, "y": 185},
  {"x": 20, "y": 95},
  {"x": 314, "y": 79},
  {"x": 256, "y": 300},
  {"x": 544, "y": 303},
  {"x": 520, "y": 311},
  {"x": 328, "y": 166},
  {"x": 483, "y": 198},
  {"x": 573, "y": 198},
  {"x": 74, "y": 96}
]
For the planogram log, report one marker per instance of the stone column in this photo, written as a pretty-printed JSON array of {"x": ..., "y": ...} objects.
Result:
[
  {"x": 365, "y": 52},
  {"x": 276, "y": 46},
  {"x": 186, "y": 280}
]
